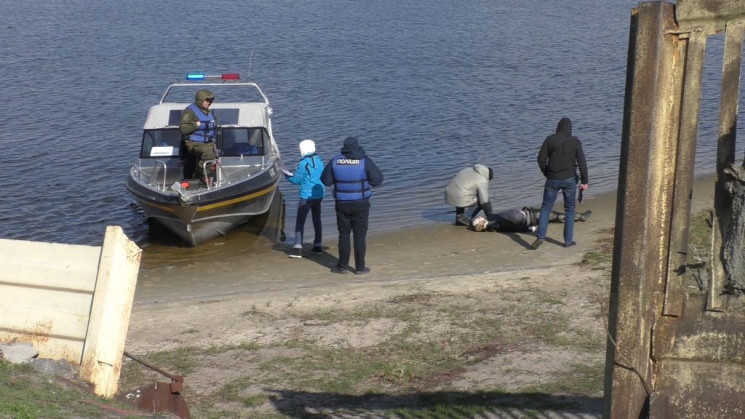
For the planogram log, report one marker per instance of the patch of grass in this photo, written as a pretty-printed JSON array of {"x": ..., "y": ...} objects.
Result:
[
  {"x": 549, "y": 329},
  {"x": 28, "y": 393},
  {"x": 579, "y": 378},
  {"x": 601, "y": 257},
  {"x": 550, "y": 299},
  {"x": 219, "y": 349},
  {"x": 588, "y": 341},
  {"x": 419, "y": 298},
  {"x": 180, "y": 361},
  {"x": 699, "y": 230},
  {"x": 432, "y": 340},
  {"x": 233, "y": 392}
]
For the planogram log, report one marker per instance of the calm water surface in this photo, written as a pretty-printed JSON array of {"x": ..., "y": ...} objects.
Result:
[{"x": 428, "y": 87}]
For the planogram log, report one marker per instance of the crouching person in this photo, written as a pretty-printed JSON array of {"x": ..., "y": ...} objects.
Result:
[{"x": 470, "y": 188}]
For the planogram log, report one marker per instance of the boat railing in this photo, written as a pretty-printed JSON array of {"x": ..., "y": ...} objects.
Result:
[
  {"x": 154, "y": 172},
  {"x": 206, "y": 165},
  {"x": 157, "y": 174},
  {"x": 228, "y": 172}
]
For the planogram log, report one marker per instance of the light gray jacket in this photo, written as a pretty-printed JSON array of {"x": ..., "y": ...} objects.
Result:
[{"x": 469, "y": 187}]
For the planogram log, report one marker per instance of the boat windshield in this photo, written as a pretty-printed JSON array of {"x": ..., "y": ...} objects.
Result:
[
  {"x": 160, "y": 143},
  {"x": 224, "y": 92},
  {"x": 232, "y": 142},
  {"x": 236, "y": 142}
]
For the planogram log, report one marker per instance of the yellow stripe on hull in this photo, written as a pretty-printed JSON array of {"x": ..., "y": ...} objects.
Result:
[{"x": 217, "y": 204}]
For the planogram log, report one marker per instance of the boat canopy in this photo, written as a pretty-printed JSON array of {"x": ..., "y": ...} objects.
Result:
[{"x": 228, "y": 114}]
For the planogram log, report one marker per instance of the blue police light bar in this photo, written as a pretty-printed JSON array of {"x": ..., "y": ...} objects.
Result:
[{"x": 224, "y": 76}]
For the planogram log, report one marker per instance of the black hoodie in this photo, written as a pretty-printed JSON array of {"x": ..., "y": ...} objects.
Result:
[
  {"x": 561, "y": 154},
  {"x": 353, "y": 150}
]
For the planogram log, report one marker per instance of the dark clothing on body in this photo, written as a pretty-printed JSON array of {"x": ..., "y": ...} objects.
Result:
[{"x": 521, "y": 220}]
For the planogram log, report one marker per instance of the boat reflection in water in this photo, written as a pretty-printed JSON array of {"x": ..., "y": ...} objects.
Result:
[{"x": 166, "y": 257}]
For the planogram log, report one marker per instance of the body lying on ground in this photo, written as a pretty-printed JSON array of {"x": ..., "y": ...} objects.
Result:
[{"x": 520, "y": 220}]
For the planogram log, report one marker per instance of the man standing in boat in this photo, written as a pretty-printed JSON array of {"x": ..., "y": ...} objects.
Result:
[
  {"x": 199, "y": 127},
  {"x": 353, "y": 174}
]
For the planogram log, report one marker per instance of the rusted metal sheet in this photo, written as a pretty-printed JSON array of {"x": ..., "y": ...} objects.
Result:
[
  {"x": 158, "y": 397},
  {"x": 698, "y": 390},
  {"x": 712, "y": 14},
  {"x": 691, "y": 51},
  {"x": 673, "y": 352}
]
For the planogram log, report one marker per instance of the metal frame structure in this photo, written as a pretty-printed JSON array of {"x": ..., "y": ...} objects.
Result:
[{"x": 670, "y": 352}]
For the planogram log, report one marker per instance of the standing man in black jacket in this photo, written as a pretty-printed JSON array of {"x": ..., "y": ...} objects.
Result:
[
  {"x": 559, "y": 158},
  {"x": 352, "y": 174}
]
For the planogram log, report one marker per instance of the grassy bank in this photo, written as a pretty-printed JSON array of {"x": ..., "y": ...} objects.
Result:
[{"x": 518, "y": 345}]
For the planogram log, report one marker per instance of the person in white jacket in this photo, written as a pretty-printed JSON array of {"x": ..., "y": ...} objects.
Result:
[{"x": 470, "y": 188}]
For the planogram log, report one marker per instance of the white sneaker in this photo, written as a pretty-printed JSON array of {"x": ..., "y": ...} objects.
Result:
[
  {"x": 533, "y": 229},
  {"x": 296, "y": 253}
]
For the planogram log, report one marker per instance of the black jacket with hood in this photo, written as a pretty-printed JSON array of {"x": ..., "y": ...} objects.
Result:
[
  {"x": 353, "y": 150},
  {"x": 561, "y": 154}
]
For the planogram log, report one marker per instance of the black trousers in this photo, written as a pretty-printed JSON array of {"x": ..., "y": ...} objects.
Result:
[{"x": 352, "y": 218}]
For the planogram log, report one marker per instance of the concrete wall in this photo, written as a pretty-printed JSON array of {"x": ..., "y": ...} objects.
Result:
[{"x": 71, "y": 302}]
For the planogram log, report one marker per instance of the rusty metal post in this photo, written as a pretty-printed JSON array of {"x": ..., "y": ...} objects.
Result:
[
  {"x": 651, "y": 115},
  {"x": 692, "y": 51},
  {"x": 673, "y": 352}
]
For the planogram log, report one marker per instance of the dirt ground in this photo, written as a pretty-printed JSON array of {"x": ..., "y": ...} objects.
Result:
[{"x": 264, "y": 297}]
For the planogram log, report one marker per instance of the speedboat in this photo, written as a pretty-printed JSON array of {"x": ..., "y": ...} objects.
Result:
[{"x": 245, "y": 175}]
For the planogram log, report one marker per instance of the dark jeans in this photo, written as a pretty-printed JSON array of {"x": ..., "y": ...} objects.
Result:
[
  {"x": 568, "y": 188},
  {"x": 351, "y": 217},
  {"x": 303, "y": 207}
]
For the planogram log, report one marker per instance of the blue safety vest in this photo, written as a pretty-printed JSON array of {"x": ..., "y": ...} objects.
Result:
[
  {"x": 206, "y": 130},
  {"x": 350, "y": 179}
]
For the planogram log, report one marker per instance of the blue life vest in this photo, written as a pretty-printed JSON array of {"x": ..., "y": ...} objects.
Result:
[
  {"x": 207, "y": 126},
  {"x": 350, "y": 179}
]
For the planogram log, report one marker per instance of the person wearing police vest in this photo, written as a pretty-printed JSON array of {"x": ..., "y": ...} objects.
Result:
[
  {"x": 352, "y": 175},
  {"x": 199, "y": 127}
]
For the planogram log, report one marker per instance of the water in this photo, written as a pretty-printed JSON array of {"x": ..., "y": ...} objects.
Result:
[{"x": 428, "y": 87}]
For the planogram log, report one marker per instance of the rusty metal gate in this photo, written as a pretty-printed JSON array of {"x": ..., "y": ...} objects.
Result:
[{"x": 673, "y": 352}]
